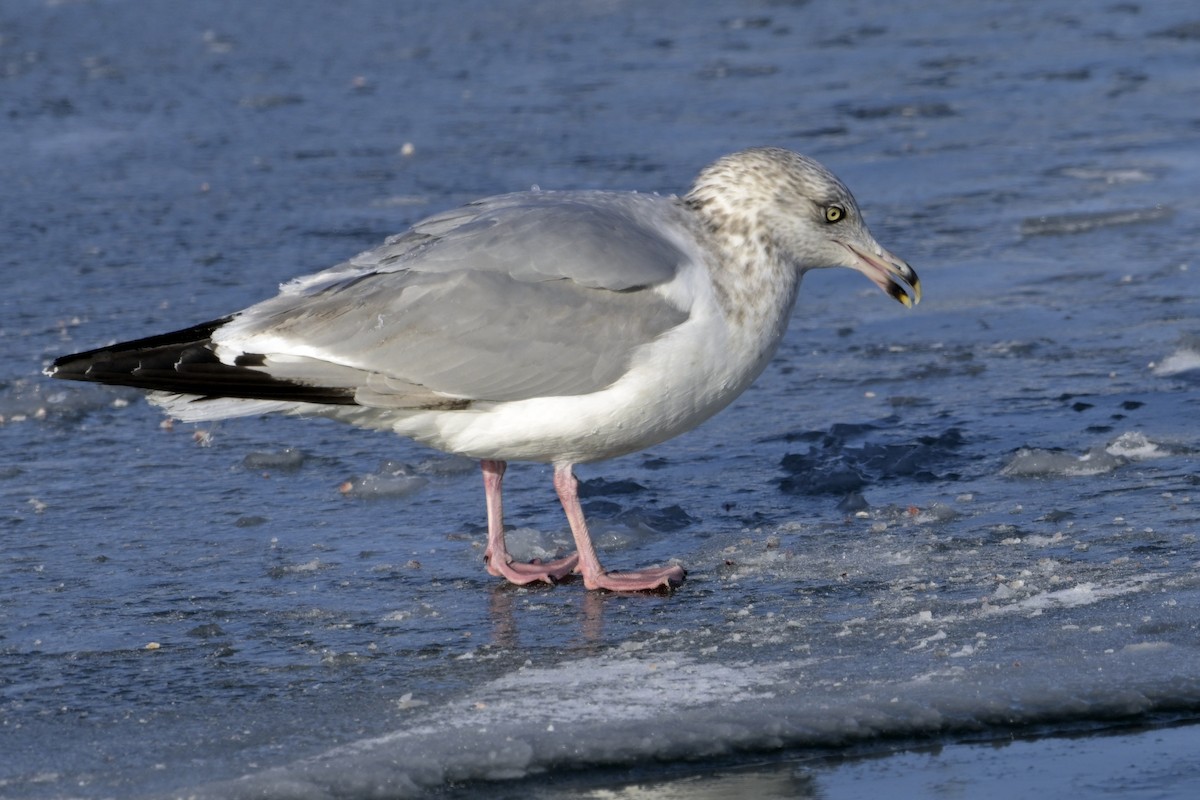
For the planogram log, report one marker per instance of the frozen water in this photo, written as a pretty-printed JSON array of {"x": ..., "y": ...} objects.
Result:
[
  {"x": 970, "y": 522},
  {"x": 1029, "y": 463},
  {"x": 287, "y": 459},
  {"x": 1130, "y": 446},
  {"x": 390, "y": 480}
]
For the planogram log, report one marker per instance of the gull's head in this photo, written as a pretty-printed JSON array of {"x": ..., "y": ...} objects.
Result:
[{"x": 791, "y": 206}]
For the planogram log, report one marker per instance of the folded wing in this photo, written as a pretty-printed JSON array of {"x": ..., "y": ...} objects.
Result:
[{"x": 518, "y": 296}]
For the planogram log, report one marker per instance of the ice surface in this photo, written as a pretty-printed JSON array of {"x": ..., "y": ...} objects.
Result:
[
  {"x": 972, "y": 521},
  {"x": 607, "y": 711}
]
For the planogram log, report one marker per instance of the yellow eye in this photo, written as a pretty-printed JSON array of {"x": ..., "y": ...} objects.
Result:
[{"x": 834, "y": 213}]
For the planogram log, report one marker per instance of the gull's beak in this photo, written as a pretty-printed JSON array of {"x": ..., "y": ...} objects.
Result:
[{"x": 887, "y": 272}]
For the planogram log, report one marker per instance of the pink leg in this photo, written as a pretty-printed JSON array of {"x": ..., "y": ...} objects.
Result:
[
  {"x": 499, "y": 562},
  {"x": 594, "y": 576}
]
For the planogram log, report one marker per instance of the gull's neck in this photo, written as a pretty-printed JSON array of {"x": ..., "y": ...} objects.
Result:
[{"x": 755, "y": 283}]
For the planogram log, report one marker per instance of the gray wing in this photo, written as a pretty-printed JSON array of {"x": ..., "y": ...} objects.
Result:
[{"x": 523, "y": 295}]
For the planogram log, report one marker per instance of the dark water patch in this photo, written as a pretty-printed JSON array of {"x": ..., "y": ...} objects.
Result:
[
  {"x": 905, "y": 111},
  {"x": 602, "y": 487},
  {"x": 831, "y": 466},
  {"x": 1184, "y": 31}
]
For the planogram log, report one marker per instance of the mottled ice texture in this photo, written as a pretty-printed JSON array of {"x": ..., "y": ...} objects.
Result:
[{"x": 863, "y": 574}]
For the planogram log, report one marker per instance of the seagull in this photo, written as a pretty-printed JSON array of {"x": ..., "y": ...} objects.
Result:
[{"x": 562, "y": 327}]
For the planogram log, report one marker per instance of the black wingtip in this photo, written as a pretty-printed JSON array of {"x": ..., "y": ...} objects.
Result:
[
  {"x": 184, "y": 362},
  {"x": 105, "y": 364}
]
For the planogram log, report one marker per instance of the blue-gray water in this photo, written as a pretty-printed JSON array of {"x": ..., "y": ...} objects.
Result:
[{"x": 974, "y": 521}]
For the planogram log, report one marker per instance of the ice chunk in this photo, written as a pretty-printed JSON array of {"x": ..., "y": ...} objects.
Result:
[
  {"x": 310, "y": 566},
  {"x": 1186, "y": 359},
  {"x": 1055, "y": 225},
  {"x": 286, "y": 460},
  {"x": 1134, "y": 446},
  {"x": 526, "y": 544},
  {"x": 22, "y": 400},
  {"x": 1106, "y": 174},
  {"x": 1036, "y": 463},
  {"x": 444, "y": 464},
  {"x": 391, "y": 480},
  {"x": 1081, "y": 594}
]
